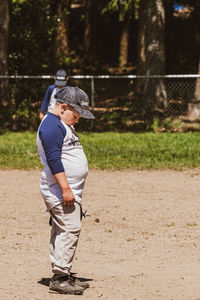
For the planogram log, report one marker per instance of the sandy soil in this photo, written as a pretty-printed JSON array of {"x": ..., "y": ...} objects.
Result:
[{"x": 141, "y": 241}]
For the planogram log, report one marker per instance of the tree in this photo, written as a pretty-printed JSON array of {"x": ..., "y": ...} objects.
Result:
[
  {"x": 197, "y": 86},
  {"x": 125, "y": 9},
  {"x": 4, "y": 25},
  {"x": 197, "y": 35},
  {"x": 93, "y": 7},
  {"x": 170, "y": 37},
  {"x": 32, "y": 36},
  {"x": 62, "y": 38},
  {"x": 151, "y": 54},
  {"x": 124, "y": 39}
]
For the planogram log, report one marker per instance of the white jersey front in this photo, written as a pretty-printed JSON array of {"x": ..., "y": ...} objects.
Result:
[{"x": 60, "y": 150}]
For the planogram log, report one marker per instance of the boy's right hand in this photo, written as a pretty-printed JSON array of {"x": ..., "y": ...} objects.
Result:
[
  {"x": 67, "y": 194},
  {"x": 68, "y": 197}
]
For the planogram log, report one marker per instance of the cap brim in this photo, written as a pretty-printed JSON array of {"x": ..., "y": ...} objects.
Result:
[
  {"x": 60, "y": 82},
  {"x": 85, "y": 113}
]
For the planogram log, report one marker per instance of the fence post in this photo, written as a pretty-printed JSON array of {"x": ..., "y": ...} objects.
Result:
[{"x": 92, "y": 99}]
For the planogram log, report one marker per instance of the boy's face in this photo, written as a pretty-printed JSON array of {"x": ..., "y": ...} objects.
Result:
[{"x": 69, "y": 115}]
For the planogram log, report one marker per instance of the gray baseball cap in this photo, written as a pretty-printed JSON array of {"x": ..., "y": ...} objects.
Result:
[
  {"x": 76, "y": 98},
  {"x": 61, "y": 76}
]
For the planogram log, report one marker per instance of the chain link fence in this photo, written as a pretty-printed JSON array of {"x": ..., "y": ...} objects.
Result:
[{"x": 112, "y": 98}]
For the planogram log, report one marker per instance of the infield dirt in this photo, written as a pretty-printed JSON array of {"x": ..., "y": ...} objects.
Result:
[{"x": 141, "y": 241}]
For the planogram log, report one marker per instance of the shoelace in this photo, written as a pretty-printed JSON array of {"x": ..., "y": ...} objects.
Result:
[{"x": 67, "y": 278}]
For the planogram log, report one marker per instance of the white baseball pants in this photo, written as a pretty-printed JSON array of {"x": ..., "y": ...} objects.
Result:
[{"x": 66, "y": 227}]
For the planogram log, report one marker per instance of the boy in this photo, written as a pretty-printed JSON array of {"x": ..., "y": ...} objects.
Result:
[
  {"x": 49, "y": 99},
  {"x": 62, "y": 182}
]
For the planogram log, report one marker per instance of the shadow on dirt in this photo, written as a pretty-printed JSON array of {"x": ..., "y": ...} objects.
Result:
[{"x": 46, "y": 281}]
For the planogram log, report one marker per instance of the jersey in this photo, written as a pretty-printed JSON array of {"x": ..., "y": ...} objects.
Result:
[
  {"x": 60, "y": 150},
  {"x": 49, "y": 100}
]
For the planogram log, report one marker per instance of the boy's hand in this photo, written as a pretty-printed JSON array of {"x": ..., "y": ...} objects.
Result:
[
  {"x": 68, "y": 197},
  {"x": 67, "y": 194},
  {"x": 41, "y": 116}
]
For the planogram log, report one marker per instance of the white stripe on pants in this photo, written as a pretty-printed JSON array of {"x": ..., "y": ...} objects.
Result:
[{"x": 66, "y": 227}]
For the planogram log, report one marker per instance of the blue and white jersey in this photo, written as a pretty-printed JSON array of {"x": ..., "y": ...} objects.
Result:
[
  {"x": 49, "y": 100},
  {"x": 60, "y": 151},
  {"x": 52, "y": 100}
]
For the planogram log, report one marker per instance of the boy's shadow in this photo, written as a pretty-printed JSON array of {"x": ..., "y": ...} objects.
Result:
[{"x": 46, "y": 281}]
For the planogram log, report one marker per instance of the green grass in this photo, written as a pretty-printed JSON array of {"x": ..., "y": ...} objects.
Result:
[
  {"x": 18, "y": 150},
  {"x": 111, "y": 150}
]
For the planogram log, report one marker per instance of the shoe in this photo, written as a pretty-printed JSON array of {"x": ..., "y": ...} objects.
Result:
[
  {"x": 78, "y": 282},
  {"x": 64, "y": 285}
]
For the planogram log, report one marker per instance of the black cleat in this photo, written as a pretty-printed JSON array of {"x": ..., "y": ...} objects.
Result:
[
  {"x": 64, "y": 285},
  {"x": 78, "y": 282}
]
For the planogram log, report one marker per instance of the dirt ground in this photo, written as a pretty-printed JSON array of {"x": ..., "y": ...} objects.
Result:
[{"x": 141, "y": 241}]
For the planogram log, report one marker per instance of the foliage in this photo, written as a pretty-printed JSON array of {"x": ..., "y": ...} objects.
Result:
[
  {"x": 33, "y": 30},
  {"x": 111, "y": 150},
  {"x": 32, "y": 49},
  {"x": 164, "y": 125},
  {"x": 18, "y": 1},
  {"x": 31, "y": 39},
  {"x": 116, "y": 5},
  {"x": 123, "y": 6}
]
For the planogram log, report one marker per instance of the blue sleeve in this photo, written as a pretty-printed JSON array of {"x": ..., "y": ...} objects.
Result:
[
  {"x": 52, "y": 134},
  {"x": 46, "y": 98}
]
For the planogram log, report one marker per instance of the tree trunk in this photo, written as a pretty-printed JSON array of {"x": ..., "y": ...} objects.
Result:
[
  {"x": 151, "y": 53},
  {"x": 197, "y": 87},
  {"x": 62, "y": 40},
  {"x": 4, "y": 25},
  {"x": 197, "y": 30},
  {"x": 90, "y": 31},
  {"x": 141, "y": 58},
  {"x": 123, "y": 57},
  {"x": 169, "y": 37}
]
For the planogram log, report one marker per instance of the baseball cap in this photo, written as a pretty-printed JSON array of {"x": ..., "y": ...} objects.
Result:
[
  {"x": 61, "y": 77},
  {"x": 76, "y": 98}
]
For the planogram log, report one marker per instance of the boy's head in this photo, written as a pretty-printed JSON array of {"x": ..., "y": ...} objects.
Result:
[
  {"x": 77, "y": 99},
  {"x": 60, "y": 78},
  {"x": 66, "y": 113}
]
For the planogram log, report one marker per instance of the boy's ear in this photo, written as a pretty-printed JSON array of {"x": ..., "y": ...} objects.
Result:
[{"x": 64, "y": 107}]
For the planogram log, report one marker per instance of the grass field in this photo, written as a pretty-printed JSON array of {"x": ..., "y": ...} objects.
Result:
[{"x": 111, "y": 150}]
